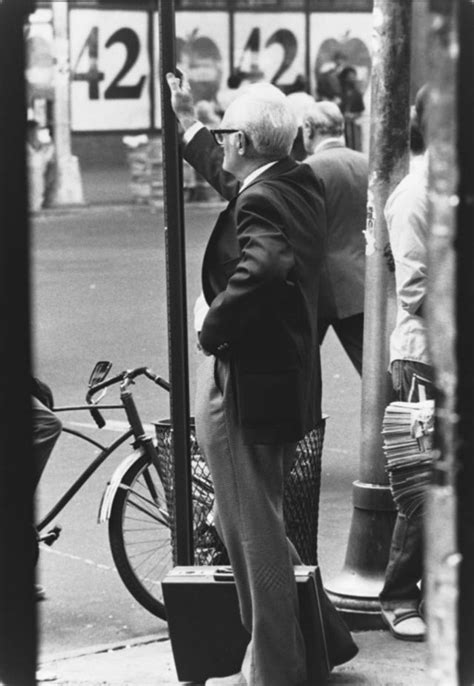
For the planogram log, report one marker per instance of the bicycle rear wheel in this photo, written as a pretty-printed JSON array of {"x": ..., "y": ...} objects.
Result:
[{"x": 140, "y": 535}]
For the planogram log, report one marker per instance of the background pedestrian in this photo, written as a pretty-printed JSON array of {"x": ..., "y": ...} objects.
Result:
[
  {"x": 406, "y": 212},
  {"x": 343, "y": 174}
]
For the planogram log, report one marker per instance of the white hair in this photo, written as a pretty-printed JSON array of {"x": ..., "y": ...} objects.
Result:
[
  {"x": 263, "y": 114},
  {"x": 326, "y": 117}
]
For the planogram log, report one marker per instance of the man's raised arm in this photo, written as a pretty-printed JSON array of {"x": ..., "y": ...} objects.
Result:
[{"x": 200, "y": 149}]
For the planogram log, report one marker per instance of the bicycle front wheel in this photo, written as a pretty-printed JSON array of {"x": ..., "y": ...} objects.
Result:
[{"x": 140, "y": 535}]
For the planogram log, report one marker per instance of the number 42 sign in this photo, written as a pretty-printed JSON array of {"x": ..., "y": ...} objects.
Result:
[{"x": 110, "y": 70}]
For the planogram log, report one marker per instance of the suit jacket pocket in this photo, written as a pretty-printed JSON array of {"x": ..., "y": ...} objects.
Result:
[
  {"x": 268, "y": 397},
  {"x": 228, "y": 266}
]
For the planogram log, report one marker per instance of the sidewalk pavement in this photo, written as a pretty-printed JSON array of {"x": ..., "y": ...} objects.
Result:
[{"x": 381, "y": 661}]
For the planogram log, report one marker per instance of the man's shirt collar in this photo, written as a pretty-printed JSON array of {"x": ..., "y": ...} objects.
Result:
[
  {"x": 329, "y": 143},
  {"x": 255, "y": 174}
]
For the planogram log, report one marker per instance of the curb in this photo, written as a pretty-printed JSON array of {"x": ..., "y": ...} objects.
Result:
[
  {"x": 47, "y": 212},
  {"x": 101, "y": 648}
]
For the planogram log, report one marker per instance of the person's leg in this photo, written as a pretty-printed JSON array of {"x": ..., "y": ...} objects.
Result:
[
  {"x": 248, "y": 483},
  {"x": 405, "y": 565},
  {"x": 323, "y": 326},
  {"x": 412, "y": 381},
  {"x": 401, "y": 595},
  {"x": 46, "y": 430},
  {"x": 350, "y": 331}
]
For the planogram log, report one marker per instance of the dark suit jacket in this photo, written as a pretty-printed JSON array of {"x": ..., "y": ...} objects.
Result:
[
  {"x": 344, "y": 176},
  {"x": 260, "y": 278}
]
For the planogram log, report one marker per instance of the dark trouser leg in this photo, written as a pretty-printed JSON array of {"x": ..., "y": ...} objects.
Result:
[
  {"x": 350, "y": 332},
  {"x": 405, "y": 565},
  {"x": 248, "y": 483},
  {"x": 46, "y": 430}
]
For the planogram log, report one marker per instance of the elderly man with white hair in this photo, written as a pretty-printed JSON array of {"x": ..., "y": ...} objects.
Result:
[{"x": 258, "y": 388}]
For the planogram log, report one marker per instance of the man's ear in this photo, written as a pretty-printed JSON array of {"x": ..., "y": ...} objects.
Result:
[{"x": 242, "y": 143}]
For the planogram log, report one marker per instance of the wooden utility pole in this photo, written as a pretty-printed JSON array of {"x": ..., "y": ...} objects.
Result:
[
  {"x": 450, "y": 509},
  {"x": 441, "y": 558},
  {"x": 355, "y": 591},
  {"x": 67, "y": 187}
]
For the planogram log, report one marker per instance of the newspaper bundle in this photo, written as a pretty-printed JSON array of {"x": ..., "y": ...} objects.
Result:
[{"x": 408, "y": 440}]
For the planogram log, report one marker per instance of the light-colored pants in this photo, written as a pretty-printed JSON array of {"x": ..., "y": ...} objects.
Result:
[{"x": 248, "y": 482}]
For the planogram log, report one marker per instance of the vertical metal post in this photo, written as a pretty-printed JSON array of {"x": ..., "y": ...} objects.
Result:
[
  {"x": 67, "y": 188},
  {"x": 465, "y": 341},
  {"x": 17, "y": 605},
  {"x": 441, "y": 550},
  {"x": 176, "y": 280},
  {"x": 355, "y": 591},
  {"x": 307, "y": 39}
]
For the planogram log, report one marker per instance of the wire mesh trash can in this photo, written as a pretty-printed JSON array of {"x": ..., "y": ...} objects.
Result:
[{"x": 300, "y": 504}]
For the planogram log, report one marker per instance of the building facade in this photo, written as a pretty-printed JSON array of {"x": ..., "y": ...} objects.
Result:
[{"x": 114, "y": 52}]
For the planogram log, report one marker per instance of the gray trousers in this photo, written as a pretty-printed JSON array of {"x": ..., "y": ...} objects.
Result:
[{"x": 248, "y": 482}]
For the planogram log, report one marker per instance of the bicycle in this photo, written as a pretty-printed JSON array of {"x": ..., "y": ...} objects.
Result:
[{"x": 138, "y": 500}]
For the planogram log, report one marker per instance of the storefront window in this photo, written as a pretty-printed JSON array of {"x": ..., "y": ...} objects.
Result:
[
  {"x": 242, "y": 4},
  {"x": 202, "y": 4},
  {"x": 269, "y": 4},
  {"x": 340, "y": 5},
  {"x": 310, "y": 5}
]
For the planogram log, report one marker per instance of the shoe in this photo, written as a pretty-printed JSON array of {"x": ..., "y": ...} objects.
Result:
[
  {"x": 421, "y": 609},
  {"x": 232, "y": 680},
  {"x": 40, "y": 593},
  {"x": 406, "y": 624}
]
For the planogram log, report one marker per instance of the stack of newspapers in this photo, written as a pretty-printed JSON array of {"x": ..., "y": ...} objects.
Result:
[{"x": 408, "y": 435}]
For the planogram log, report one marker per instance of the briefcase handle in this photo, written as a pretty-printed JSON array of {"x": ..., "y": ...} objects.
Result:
[{"x": 224, "y": 574}]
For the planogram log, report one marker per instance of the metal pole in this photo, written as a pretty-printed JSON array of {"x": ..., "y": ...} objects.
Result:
[
  {"x": 67, "y": 189},
  {"x": 176, "y": 281},
  {"x": 355, "y": 591},
  {"x": 441, "y": 550},
  {"x": 17, "y": 605}
]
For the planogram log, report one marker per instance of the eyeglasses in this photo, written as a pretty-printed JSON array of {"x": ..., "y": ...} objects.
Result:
[{"x": 218, "y": 134}]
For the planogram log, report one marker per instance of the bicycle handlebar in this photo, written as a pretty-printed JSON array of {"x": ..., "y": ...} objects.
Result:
[
  {"x": 125, "y": 378},
  {"x": 98, "y": 418},
  {"x": 158, "y": 380}
]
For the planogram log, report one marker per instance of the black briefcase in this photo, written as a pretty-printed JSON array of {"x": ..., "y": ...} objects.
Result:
[{"x": 207, "y": 637}]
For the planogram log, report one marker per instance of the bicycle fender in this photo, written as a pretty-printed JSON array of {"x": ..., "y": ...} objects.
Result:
[{"x": 113, "y": 485}]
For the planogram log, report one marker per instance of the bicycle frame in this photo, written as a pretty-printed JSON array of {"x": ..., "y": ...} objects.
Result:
[
  {"x": 136, "y": 430},
  {"x": 106, "y": 451}
]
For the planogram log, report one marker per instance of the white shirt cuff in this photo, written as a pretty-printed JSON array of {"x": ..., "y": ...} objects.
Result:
[
  {"x": 189, "y": 134},
  {"x": 201, "y": 308}
]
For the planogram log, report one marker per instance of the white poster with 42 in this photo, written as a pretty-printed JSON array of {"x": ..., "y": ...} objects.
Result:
[{"x": 110, "y": 70}]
